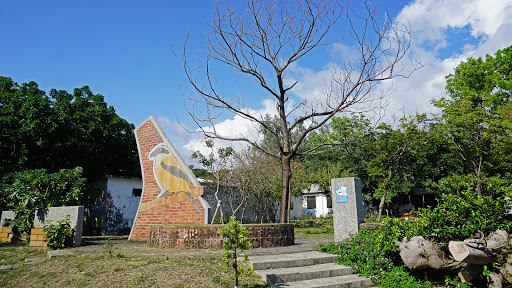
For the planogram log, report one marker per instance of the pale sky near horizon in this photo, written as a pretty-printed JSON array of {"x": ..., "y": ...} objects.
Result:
[{"x": 122, "y": 50}]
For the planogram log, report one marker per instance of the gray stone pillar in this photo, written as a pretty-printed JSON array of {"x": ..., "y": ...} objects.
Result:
[{"x": 347, "y": 206}]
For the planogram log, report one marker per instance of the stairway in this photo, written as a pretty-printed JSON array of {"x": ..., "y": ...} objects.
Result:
[{"x": 306, "y": 269}]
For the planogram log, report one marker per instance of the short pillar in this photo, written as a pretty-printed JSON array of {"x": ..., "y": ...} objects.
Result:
[{"x": 347, "y": 206}]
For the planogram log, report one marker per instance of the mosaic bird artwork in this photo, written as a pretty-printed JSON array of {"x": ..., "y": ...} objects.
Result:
[{"x": 174, "y": 184}]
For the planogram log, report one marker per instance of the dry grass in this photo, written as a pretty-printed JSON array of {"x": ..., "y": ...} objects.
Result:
[{"x": 104, "y": 270}]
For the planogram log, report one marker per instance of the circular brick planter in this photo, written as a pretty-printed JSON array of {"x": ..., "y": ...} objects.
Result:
[{"x": 205, "y": 236}]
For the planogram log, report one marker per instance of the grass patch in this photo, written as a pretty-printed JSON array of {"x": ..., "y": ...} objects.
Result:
[
  {"x": 11, "y": 254},
  {"x": 101, "y": 270},
  {"x": 309, "y": 226}
]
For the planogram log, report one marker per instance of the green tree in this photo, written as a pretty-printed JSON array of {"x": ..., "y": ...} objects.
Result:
[
  {"x": 63, "y": 130},
  {"x": 394, "y": 151},
  {"x": 347, "y": 153},
  {"x": 476, "y": 116}
]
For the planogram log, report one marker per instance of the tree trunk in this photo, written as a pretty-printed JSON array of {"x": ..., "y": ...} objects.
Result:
[
  {"x": 479, "y": 181},
  {"x": 497, "y": 240},
  {"x": 383, "y": 198},
  {"x": 219, "y": 205},
  {"x": 469, "y": 272},
  {"x": 381, "y": 205},
  {"x": 420, "y": 253},
  {"x": 284, "y": 215},
  {"x": 470, "y": 252},
  {"x": 495, "y": 280}
]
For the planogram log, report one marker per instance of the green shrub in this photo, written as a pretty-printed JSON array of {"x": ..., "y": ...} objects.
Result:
[
  {"x": 58, "y": 235},
  {"x": 373, "y": 254},
  {"x": 459, "y": 216},
  {"x": 36, "y": 189},
  {"x": 236, "y": 242}
]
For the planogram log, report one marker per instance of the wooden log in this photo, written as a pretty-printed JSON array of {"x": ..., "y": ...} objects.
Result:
[
  {"x": 497, "y": 239},
  {"x": 507, "y": 272},
  {"x": 469, "y": 272},
  {"x": 420, "y": 253},
  {"x": 495, "y": 280},
  {"x": 471, "y": 253}
]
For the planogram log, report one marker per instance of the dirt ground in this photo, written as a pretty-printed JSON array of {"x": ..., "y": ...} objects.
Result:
[{"x": 94, "y": 245}]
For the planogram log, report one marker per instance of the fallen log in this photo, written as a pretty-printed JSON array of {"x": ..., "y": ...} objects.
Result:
[
  {"x": 507, "y": 272},
  {"x": 420, "y": 253},
  {"x": 497, "y": 240},
  {"x": 470, "y": 252},
  {"x": 495, "y": 280},
  {"x": 469, "y": 272}
]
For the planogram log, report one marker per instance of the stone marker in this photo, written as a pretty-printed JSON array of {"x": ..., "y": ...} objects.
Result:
[
  {"x": 347, "y": 206},
  {"x": 6, "y": 215},
  {"x": 51, "y": 215}
]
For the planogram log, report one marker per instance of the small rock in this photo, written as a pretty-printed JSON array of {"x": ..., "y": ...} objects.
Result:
[
  {"x": 5, "y": 268},
  {"x": 54, "y": 253},
  {"x": 30, "y": 261}
]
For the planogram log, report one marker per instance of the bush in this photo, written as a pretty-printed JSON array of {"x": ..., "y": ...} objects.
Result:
[
  {"x": 373, "y": 254},
  {"x": 36, "y": 189},
  {"x": 58, "y": 235},
  {"x": 459, "y": 216}
]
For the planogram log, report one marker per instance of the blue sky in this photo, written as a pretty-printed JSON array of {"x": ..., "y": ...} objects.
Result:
[{"x": 122, "y": 50}]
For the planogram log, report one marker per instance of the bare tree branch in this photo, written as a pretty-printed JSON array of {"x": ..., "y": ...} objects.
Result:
[{"x": 262, "y": 39}]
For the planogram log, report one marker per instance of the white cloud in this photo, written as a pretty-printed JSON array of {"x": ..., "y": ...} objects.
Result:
[
  {"x": 432, "y": 17},
  {"x": 431, "y": 20},
  {"x": 232, "y": 128}
]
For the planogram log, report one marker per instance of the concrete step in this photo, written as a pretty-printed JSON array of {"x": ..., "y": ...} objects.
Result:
[
  {"x": 345, "y": 281},
  {"x": 290, "y": 260},
  {"x": 307, "y": 269},
  {"x": 281, "y": 275}
]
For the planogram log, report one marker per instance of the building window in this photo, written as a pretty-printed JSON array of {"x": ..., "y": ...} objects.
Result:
[
  {"x": 311, "y": 202},
  {"x": 136, "y": 192},
  {"x": 329, "y": 202}
]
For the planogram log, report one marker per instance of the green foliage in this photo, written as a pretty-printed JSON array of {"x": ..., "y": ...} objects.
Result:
[
  {"x": 58, "y": 235},
  {"x": 373, "y": 254},
  {"x": 200, "y": 172},
  {"x": 36, "y": 189},
  {"x": 61, "y": 130},
  {"x": 236, "y": 242},
  {"x": 495, "y": 186},
  {"x": 347, "y": 156},
  {"x": 476, "y": 119},
  {"x": 459, "y": 216}
]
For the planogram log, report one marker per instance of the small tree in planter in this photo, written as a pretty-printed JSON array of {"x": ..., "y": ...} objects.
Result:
[{"x": 236, "y": 241}]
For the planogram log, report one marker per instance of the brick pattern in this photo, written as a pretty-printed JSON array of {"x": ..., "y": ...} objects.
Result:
[
  {"x": 157, "y": 212},
  {"x": 6, "y": 235},
  {"x": 206, "y": 236},
  {"x": 37, "y": 237}
]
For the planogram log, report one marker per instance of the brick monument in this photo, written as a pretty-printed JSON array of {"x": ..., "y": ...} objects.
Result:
[{"x": 171, "y": 193}]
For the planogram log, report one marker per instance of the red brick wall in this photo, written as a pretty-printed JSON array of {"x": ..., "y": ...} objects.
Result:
[
  {"x": 159, "y": 212},
  {"x": 206, "y": 236}
]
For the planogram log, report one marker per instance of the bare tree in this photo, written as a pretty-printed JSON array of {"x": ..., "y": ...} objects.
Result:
[{"x": 262, "y": 39}]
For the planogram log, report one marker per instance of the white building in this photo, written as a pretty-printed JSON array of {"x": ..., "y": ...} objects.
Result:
[
  {"x": 314, "y": 202},
  {"x": 111, "y": 205}
]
